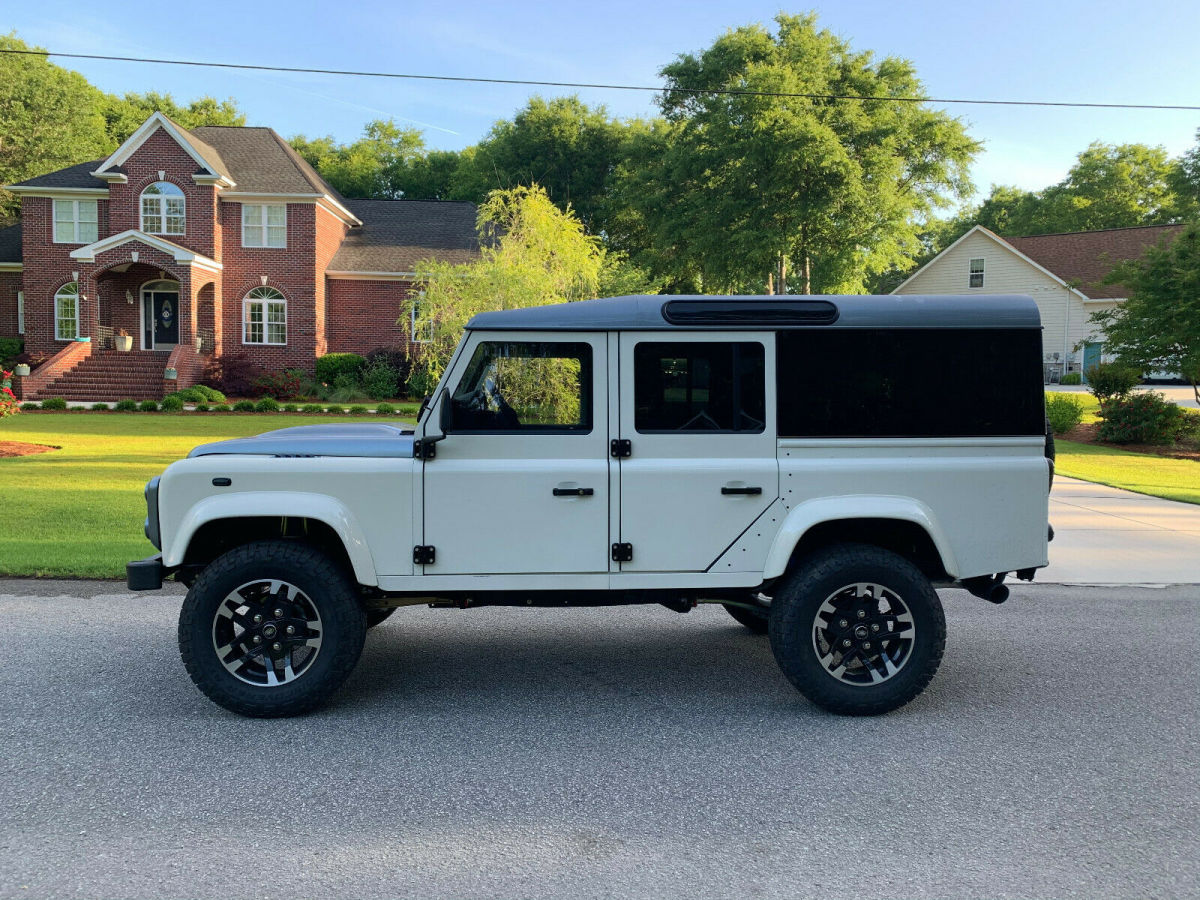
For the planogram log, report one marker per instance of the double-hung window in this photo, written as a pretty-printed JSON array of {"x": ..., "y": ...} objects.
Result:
[
  {"x": 975, "y": 273},
  {"x": 264, "y": 317},
  {"x": 264, "y": 224},
  {"x": 76, "y": 221}
]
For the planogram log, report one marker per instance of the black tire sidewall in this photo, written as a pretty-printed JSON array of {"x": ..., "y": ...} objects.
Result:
[
  {"x": 343, "y": 626},
  {"x": 794, "y": 608},
  {"x": 752, "y": 619}
]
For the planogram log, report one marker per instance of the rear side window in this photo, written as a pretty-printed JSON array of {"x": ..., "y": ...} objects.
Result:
[
  {"x": 685, "y": 386},
  {"x": 910, "y": 383}
]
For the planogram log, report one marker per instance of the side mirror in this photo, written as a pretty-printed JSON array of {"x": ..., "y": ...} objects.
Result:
[
  {"x": 424, "y": 406},
  {"x": 444, "y": 412}
]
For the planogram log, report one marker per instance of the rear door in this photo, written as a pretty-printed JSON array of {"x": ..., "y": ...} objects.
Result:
[{"x": 698, "y": 411}]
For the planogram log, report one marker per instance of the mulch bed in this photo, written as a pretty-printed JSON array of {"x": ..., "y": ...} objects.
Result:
[
  {"x": 1090, "y": 434},
  {"x": 17, "y": 448}
]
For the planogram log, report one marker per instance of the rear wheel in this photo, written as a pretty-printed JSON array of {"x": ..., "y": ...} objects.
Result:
[
  {"x": 857, "y": 629},
  {"x": 271, "y": 629}
]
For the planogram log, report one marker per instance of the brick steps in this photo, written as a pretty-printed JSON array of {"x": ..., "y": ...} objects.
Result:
[{"x": 109, "y": 375}]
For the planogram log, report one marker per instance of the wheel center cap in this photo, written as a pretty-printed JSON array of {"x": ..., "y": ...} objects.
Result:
[
  {"x": 269, "y": 631},
  {"x": 861, "y": 632}
]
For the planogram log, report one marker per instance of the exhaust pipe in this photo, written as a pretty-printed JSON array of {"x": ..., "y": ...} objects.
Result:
[{"x": 988, "y": 587}]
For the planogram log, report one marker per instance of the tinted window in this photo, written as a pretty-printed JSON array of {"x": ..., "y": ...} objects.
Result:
[
  {"x": 698, "y": 387},
  {"x": 525, "y": 386},
  {"x": 910, "y": 383}
]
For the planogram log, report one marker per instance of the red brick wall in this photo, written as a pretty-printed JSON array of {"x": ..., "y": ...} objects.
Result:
[
  {"x": 331, "y": 231},
  {"x": 48, "y": 266},
  {"x": 366, "y": 315},
  {"x": 10, "y": 283}
]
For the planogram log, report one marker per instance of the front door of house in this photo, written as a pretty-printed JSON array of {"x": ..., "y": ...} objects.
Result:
[
  {"x": 1091, "y": 357},
  {"x": 161, "y": 310}
]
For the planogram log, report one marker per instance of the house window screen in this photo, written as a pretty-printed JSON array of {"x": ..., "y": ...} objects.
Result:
[
  {"x": 910, "y": 383},
  {"x": 975, "y": 273},
  {"x": 512, "y": 386},
  {"x": 691, "y": 386}
]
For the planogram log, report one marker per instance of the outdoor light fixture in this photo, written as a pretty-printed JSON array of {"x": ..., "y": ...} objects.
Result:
[{"x": 129, "y": 297}]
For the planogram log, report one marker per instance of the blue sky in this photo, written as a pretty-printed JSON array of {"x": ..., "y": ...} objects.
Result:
[{"x": 1052, "y": 49}]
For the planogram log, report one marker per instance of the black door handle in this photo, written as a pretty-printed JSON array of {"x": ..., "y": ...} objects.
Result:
[
  {"x": 741, "y": 490},
  {"x": 573, "y": 492}
]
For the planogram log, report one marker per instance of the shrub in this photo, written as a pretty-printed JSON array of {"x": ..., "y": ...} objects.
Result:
[
  {"x": 202, "y": 407},
  {"x": 279, "y": 385},
  {"x": 222, "y": 407},
  {"x": 191, "y": 395},
  {"x": 29, "y": 406},
  {"x": 1072, "y": 378},
  {"x": 421, "y": 382},
  {"x": 1143, "y": 418},
  {"x": 1109, "y": 380},
  {"x": 267, "y": 404},
  {"x": 358, "y": 410},
  {"x": 244, "y": 406},
  {"x": 172, "y": 404},
  {"x": 312, "y": 408},
  {"x": 398, "y": 358},
  {"x": 126, "y": 406},
  {"x": 99, "y": 407},
  {"x": 54, "y": 403},
  {"x": 234, "y": 374},
  {"x": 10, "y": 349},
  {"x": 290, "y": 407},
  {"x": 148, "y": 406},
  {"x": 212, "y": 395},
  {"x": 385, "y": 409},
  {"x": 331, "y": 365},
  {"x": 1063, "y": 411},
  {"x": 334, "y": 410},
  {"x": 380, "y": 380}
]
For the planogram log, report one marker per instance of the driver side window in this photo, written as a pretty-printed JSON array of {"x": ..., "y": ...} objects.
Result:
[
  {"x": 699, "y": 386},
  {"x": 518, "y": 386}
]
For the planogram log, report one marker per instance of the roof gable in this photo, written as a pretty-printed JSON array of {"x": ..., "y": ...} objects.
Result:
[{"x": 206, "y": 157}]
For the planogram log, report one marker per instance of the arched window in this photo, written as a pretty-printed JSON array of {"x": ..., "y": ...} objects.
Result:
[
  {"x": 264, "y": 317},
  {"x": 162, "y": 209},
  {"x": 66, "y": 312}
]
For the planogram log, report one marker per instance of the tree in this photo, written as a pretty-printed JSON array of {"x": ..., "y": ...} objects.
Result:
[
  {"x": 1185, "y": 183},
  {"x": 1110, "y": 186},
  {"x": 50, "y": 118},
  {"x": 532, "y": 254},
  {"x": 123, "y": 115},
  {"x": 368, "y": 167},
  {"x": 740, "y": 189},
  {"x": 1158, "y": 327}
]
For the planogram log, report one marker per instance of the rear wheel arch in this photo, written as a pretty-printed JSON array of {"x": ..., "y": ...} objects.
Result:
[{"x": 901, "y": 536}]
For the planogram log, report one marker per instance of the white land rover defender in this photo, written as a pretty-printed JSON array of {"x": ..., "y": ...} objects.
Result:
[{"x": 817, "y": 465}]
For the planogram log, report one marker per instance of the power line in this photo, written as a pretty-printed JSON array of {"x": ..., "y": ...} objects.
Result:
[{"x": 604, "y": 87}]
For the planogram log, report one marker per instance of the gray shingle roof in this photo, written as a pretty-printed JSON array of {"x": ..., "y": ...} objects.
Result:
[
  {"x": 78, "y": 176},
  {"x": 10, "y": 243},
  {"x": 261, "y": 161},
  {"x": 397, "y": 234}
]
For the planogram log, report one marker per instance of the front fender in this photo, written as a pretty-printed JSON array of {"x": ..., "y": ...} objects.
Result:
[
  {"x": 813, "y": 512},
  {"x": 293, "y": 504}
]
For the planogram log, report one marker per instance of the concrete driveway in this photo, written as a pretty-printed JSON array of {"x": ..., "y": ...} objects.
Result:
[{"x": 1108, "y": 536}]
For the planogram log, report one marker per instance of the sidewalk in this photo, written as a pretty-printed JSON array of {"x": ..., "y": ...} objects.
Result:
[
  {"x": 1108, "y": 536},
  {"x": 1179, "y": 394}
]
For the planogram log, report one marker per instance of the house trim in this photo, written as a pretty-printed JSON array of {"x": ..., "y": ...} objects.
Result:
[
  {"x": 178, "y": 253},
  {"x": 12, "y": 267},
  {"x": 58, "y": 193},
  {"x": 370, "y": 276},
  {"x": 1007, "y": 246},
  {"x": 143, "y": 133},
  {"x": 325, "y": 201}
]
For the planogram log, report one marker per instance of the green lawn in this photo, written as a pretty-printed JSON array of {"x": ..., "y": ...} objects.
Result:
[
  {"x": 1158, "y": 476},
  {"x": 78, "y": 511}
]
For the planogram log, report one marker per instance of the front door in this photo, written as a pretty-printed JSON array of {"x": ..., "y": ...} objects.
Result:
[
  {"x": 698, "y": 411},
  {"x": 520, "y": 483},
  {"x": 160, "y": 312},
  {"x": 1091, "y": 357}
]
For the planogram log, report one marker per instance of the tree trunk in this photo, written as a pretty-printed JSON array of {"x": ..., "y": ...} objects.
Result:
[
  {"x": 783, "y": 273},
  {"x": 770, "y": 282},
  {"x": 807, "y": 271}
]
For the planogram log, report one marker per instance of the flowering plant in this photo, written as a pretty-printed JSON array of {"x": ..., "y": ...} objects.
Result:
[{"x": 8, "y": 400}]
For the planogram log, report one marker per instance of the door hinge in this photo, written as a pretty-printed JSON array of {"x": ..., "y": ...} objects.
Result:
[
  {"x": 423, "y": 555},
  {"x": 424, "y": 448},
  {"x": 622, "y": 552},
  {"x": 621, "y": 448}
]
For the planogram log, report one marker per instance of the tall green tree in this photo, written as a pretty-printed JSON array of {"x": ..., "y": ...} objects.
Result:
[
  {"x": 124, "y": 114},
  {"x": 753, "y": 187},
  {"x": 367, "y": 167},
  {"x": 1110, "y": 186},
  {"x": 1185, "y": 183},
  {"x": 50, "y": 118},
  {"x": 1158, "y": 327}
]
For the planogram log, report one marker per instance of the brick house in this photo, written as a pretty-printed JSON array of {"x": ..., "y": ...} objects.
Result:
[{"x": 202, "y": 243}]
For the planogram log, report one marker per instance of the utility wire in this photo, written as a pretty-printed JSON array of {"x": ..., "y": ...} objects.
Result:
[{"x": 604, "y": 87}]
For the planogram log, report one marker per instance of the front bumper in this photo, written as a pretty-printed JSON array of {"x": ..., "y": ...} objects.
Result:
[{"x": 145, "y": 574}]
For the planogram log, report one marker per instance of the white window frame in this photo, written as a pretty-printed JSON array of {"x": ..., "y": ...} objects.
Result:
[
  {"x": 263, "y": 226},
  {"x": 412, "y": 322},
  {"x": 62, "y": 294},
  {"x": 266, "y": 302},
  {"x": 160, "y": 201},
  {"x": 20, "y": 312},
  {"x": 971, "y": 273},
  {"x": 74, "y": 221}
]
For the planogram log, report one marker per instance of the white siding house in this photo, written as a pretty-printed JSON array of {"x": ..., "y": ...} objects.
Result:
[{"x": 1064, "y": 274}]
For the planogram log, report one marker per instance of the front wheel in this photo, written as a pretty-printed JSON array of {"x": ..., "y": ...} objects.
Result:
[
  {"x": 271, "y": 629},
  {"x": 857, "y": 629}
]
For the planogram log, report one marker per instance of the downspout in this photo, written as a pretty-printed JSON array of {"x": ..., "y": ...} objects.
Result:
[{"x": 1067, "y": 337}]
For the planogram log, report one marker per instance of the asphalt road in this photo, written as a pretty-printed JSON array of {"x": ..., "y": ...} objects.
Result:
[{"x": 628, "y": 752}]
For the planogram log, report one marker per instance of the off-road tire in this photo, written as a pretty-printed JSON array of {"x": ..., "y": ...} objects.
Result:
[
  {"x": 378, "y": 616},
  {"x": 343, "y": 630},
  {"x": 797, "y": 600},
  {"x": 753, "y": 619}
]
